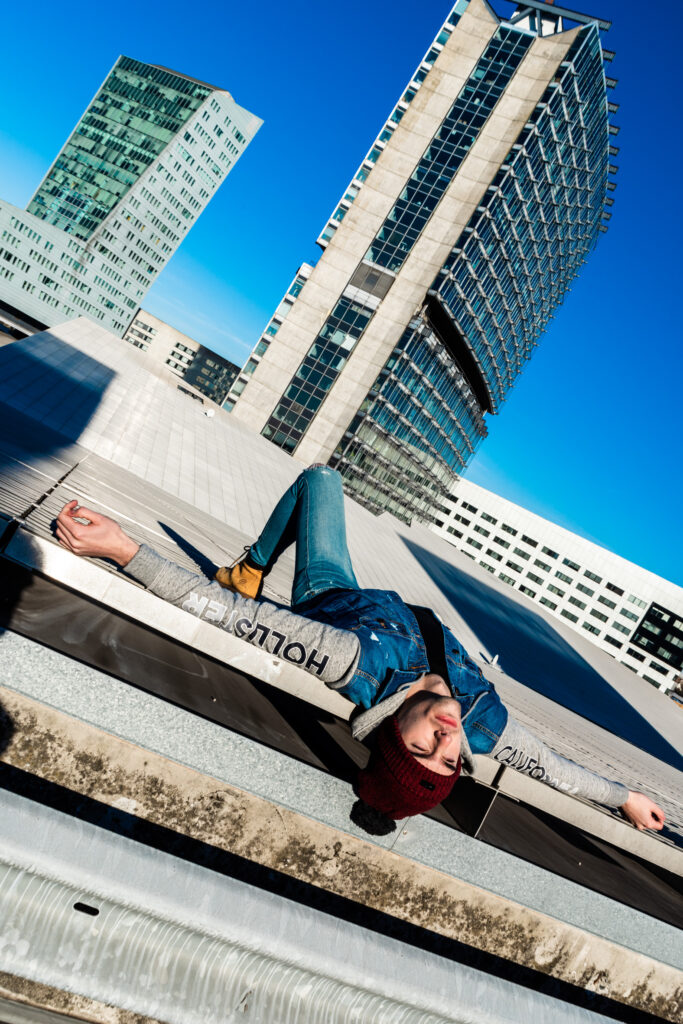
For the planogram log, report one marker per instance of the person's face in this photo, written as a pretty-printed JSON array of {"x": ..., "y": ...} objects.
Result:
[{"x": 429, "y": 723}]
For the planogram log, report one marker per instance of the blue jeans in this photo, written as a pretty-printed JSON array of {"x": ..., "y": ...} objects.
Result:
[{"x": 310, "y": 514}]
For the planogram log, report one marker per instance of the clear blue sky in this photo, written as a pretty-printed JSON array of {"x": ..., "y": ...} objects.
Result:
[{"x": 590, "y": 437}]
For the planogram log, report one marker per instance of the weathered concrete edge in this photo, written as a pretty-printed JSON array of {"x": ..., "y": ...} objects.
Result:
[
  {"x": 33, "y": 995},
  {"x": 67, "y": 752}
]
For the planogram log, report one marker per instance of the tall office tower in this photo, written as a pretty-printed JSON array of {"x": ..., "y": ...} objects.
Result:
[
  {"x": 443, "y": 262},
  {"x": 140, "y": 166}
]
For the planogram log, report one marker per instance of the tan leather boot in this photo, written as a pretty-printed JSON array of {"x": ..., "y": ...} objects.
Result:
[{"x": 243, "y": 578}]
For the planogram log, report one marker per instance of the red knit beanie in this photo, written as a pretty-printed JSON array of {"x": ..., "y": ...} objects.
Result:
[{"x": 395, "y": 783}]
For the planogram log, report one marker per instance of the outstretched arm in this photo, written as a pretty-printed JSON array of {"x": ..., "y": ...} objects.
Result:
[
  {"x": 329, "y": 654},
  {"x": 520, "y": 749}
]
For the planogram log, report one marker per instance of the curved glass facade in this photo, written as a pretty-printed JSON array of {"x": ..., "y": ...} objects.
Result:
[
  {"x": 435, "y": 170},
  {"x": 536, "y": 225},
  {"x": 418, "y": 426},
  {"x": 510, "y": 268}
]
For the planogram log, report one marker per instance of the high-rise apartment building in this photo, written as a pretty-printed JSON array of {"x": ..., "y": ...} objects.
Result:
[
  {"x": 140, "y": 166},
  {"x": 462, "y": 230}
]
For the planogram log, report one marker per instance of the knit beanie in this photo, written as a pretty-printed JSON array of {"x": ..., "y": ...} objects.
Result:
[{"x": 395, "y": 783}]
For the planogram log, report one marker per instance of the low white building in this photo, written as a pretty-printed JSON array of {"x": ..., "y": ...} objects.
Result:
[
  {"x": 208, "y": 372},
  {"x": 631, "y": 613}
]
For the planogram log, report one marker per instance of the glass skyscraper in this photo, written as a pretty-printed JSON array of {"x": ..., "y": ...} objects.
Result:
[
  {"x": 138, "y": 169},
  {"x": 462, "y": 230}
]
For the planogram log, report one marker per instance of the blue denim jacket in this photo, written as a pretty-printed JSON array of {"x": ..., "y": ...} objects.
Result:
[{"x": 392, "y": 653}]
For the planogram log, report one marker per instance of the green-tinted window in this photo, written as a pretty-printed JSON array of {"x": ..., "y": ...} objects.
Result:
[{"x": 136, "y": 113}]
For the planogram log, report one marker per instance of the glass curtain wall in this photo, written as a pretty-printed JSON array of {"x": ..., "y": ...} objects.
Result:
[
  {"x": 435, "y": 170},
  {"x": 417, "y": 428},
  {"x": 510, "y": 268},
  {"x": 136, "y": 113}
]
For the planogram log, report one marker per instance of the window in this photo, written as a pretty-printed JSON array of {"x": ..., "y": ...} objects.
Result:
[
  {"x": 547, "y": 603},
  {"x": 528, "y": 591},
  {"x": 470, "y": 508},
  {"x": 628, "y": 614},
  {"x": 456, "y": 533},
  {"x": 591, "y": 628},
  {"x": 250, "y": 366},
  {"x": 659, "y": 668},
  {"x": 522, "y": 554},
  {"x": 474, "y": 543},
  {"x": 637, "y": 601},
  {"x": 506, "y": 579},
  {"x": 598, "y": 615},
  {"x": 562, "y": 576},
  {"x": 461, "y": 519},
  {"x": 657, "y": 613},
  {"x": 261, "y": 348},
  {"x": 606, "y": 601},
  {"x": 592, "y": 576},
  {"x": 549, "y": 552},
  {"x": 488, "y": 518},
  {"x": 584, "y": 589},
  {"x": 494, "y": 554},
  {"x": 675, "y": 640},
  {"x": 517, "y": 568},
  {"x": 575, "y": 601},
  {"x": 499, "y": 540},
  {"x": 612, "y": 640},
  {"x": 615, "y": 590},
  {"x": 572, "y": 565},
  {"x": 485, "y": 565},
  {"x": 528, "y": 540},
  {"x": 555, "y": 590},
  {"x": 568, "y": 615},
  {"x": 622, "y": 629},
  {"x": 542, "y": 565},
  {"x": 481, "y": 530},
  {"x": 635, "y": 654},
  {"x": 508, "y": 529},
  {"x": 535, "y": 579}
]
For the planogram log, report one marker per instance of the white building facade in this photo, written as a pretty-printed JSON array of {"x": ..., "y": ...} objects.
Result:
[
  {"x": 631, "y": 613},
  {"x": 142, "y": 163},
  {"x": 207, "y": 371}
]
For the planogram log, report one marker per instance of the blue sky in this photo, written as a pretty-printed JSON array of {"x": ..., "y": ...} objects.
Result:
[{"x": 590, "y": 437}]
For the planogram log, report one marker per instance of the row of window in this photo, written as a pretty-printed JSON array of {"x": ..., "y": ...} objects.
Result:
[
  {"x": 657, "y": 631},
  {"x": 545, "y": 566}
]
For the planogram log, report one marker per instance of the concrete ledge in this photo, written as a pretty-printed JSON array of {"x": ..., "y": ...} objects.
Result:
[
  {"x": 88, "y": 761},
  {"x": 119, "y": 593}
]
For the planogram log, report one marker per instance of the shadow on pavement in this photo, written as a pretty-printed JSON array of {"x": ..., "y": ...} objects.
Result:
[
  {"x": 49, "y": 392},
  {"x": 535, "y": 654}
]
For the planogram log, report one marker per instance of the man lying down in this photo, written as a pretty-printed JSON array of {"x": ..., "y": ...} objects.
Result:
[{"x": 420, "y": 699}]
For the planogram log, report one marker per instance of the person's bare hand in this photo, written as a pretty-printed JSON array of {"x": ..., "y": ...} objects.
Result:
[
  {"x": 643, "y": 812},
  {"x": 100, "y": 537}
]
